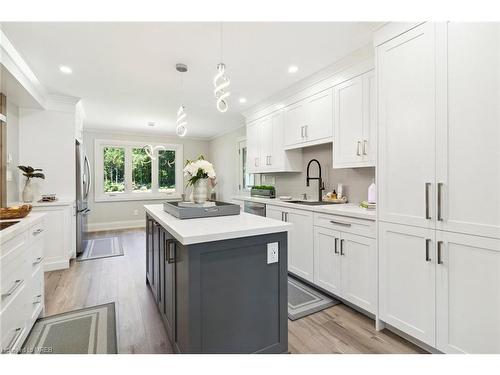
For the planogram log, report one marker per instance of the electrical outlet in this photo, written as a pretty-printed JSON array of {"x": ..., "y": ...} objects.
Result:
[
  {"x": 272, "y": 252},
  {"x": 136, "y": 212}
]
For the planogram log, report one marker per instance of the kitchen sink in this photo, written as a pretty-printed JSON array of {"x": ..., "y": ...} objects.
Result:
[{"x": 6, "y": 224}]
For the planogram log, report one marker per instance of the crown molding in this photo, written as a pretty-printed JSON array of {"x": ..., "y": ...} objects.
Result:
[
  {"x": 15, "y": 64},
  {"x": 221, "y": 134},
  {"x": 124, "y": 132}
]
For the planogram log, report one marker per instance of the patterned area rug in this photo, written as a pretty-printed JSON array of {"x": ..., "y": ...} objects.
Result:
[
  {"x": 101, "y": 248},
  {"x": 87, "y": 331},
  {"x": 304, "y": 300}
]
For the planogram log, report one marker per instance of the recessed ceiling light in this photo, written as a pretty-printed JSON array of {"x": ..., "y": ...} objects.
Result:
[
  {"x": 151, "y": 123},
  {"x": 65, "y": 69},
  {"x": 293, "y": 69},
  {"x": 243, "y": 100}
]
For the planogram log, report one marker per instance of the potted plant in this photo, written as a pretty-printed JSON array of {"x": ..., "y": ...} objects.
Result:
[
  {"x": 199, "y": 172},
  {"x": 30, "y": 172}
]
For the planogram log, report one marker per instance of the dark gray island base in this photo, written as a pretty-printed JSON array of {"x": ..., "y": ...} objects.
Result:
[{"x": 220, "y": 296}]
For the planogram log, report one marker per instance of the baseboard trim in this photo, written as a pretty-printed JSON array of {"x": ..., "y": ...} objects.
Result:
[
  {"x": 57, "y": 265},
  {"x": 112, "y": 225}
]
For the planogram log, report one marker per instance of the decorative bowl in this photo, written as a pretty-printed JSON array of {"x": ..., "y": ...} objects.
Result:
[{"x": 15, "y": 212}]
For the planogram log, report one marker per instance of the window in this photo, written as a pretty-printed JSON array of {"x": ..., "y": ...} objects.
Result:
[
  {"x": 124, "y": 171},
  {"x": 245, "y": 180}
]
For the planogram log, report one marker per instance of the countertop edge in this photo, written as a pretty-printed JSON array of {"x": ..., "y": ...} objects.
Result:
[
  {"x": 327, "y": 209},
  {"x": 13, "y": 231}
]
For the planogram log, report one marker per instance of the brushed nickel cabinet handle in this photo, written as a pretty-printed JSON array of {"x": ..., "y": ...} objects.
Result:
[
  {"x": 171, "y": 258},
  {"x": 305, "y": 130},
  {"x": 13, "y": 288},
  {"x": 301, "y": 132},
  {"x": 336, "y": 251},
  {"x": 38, "y": 261},
  {"x": 358, "y": 152},
  {"x": 342, "y": 247},
  {"x": 340, "y": 223},
  {"x": 37, "y": 232},
  {"x": 364, "y": 147},
  {"x": 440, "y": 250},
  {"x": 427, "y": 198},
  {"x": 17, "y": 333},
  {"x": 439, "y": 201},
  {"x": 427, "y": 250}
]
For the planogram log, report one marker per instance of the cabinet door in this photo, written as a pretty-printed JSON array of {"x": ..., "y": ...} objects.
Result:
[
  {"x": 149, "y": 249},
  {"x": 319, "y": 116},
  {"x": 358, "y": 270},
  {"x": 407, "y": 279},
  {"x": 295, "y": 121},
  {"x": 468, "y": 294},
  {"x": 266, "y": 143},
  {"x": 407, "y": 124},
  {"x": 277, "y": 158},
  {"x": 348, "y": 138},
  {"x": 156, "y": 259},
  {"x": 369, "y": 149},
  {"x": 300, "y": 244},
  {"x": 274, "y": 212},
  {"x": 169, "y": 284},
  {"x": 468, "y": 145},
  {"x": 327, "y": 259},
  {"x": 254, "y": 147}
]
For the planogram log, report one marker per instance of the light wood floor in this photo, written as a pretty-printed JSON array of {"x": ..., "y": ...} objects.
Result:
[{"x": 338, "y": 329}]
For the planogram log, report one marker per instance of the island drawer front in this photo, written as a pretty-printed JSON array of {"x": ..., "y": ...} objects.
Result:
[
  {"x": 37, "y": 232},
  {"x": 346, "y": 224},
  {"x": 11, "y": 246}
]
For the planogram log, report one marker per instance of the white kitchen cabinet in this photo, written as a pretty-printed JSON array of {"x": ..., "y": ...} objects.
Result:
[
  {"x": 407, "y": 281},
  {"x": 345, "y": 264},
  {"x": 468, "y": 294},
  {"x": 310, "y": 121},
  {"x": 58, "y": 232},
  {"x": 468, "y": 143},
  {"x": 266, "y": 151},
  {"x": 327, "y": 260},
  {"x": 354, "y": 123},
  {"x": 254, "y": 137},
  {"x": 407, "y": 126},
  {"x": 300, "y": 239},
  {"x": 358, "y": 271}
]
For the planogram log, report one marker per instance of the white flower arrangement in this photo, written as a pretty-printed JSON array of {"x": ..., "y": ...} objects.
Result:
[{"x": 198, "y": 169}]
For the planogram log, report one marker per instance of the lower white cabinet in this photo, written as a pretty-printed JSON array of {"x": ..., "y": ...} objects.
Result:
[
  {"x": 468, "y": 293},
  {"x": 345, "y": 265},
  {"x": 60, "y": 225},
  {"x": 407, "y": 279},
  {"x": 21, "y": 284},
  {"x": 300, "y": 239}
]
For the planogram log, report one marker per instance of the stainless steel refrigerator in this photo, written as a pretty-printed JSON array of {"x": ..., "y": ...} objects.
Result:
[{"x": 83, "y": 183}]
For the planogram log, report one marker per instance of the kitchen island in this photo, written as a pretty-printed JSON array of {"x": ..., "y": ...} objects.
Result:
[{"x": 220, "y": 283}]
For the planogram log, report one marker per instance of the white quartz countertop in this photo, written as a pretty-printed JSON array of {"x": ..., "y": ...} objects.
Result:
[
  {"x": 347, "y": 209},
  {"x": 192, "y": 231},
  {"x": 58, "y": 202},
  {"x": 12, "y": 231}
]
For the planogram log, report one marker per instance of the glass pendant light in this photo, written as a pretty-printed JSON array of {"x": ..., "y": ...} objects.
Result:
[{"x": 221, "y": 82}]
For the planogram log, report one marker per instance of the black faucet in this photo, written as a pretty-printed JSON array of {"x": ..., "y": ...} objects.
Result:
[{"x": 321, "y": 185}]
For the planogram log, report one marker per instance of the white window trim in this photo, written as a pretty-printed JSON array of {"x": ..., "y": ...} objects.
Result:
[{"x": 128, "y": 194}]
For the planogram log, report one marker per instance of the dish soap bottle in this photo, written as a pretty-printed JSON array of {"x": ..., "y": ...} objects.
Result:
[{"x": 372, "y": 193}]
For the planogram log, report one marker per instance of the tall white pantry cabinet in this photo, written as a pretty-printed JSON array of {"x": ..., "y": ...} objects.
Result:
[{"x": 439, "y": 184}]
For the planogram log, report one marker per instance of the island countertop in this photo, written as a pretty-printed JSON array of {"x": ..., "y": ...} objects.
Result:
[{"x": 192, "y": 231}]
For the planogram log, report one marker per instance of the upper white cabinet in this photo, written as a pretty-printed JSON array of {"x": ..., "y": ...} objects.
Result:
[
  {"x": 468, "y": 140},
  {"x": 265, "y": 144},
  {"x": 309, "y": 121},
  {"x": 407, "y": 126},
  {"x": 354, "y": 122}
]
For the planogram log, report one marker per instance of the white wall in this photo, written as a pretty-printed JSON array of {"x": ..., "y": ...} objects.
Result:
[
  {"x": 13, "y": 151},
  {"x": 121, "y": 213},
  {"x": 223, "y": 153},
  {"x": 47, "y": 141}
]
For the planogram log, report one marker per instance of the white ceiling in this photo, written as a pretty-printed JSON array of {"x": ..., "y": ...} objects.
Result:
[{"x": 125, "y": 72}]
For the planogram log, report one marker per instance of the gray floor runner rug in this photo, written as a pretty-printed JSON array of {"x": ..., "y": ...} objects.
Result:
[
  {"x": 101, "y": 248},
  {"x": 86, "y": 331},
  {"x": 304, "y": 300}
]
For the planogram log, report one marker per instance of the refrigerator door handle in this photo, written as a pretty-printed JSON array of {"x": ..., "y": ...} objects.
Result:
[{"x": 89, "y": 179}]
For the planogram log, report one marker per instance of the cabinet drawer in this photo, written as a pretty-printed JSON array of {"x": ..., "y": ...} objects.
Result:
[
  {"x": 13, "y": 323},
  {"x": 36, "y": 231},
  {"x": 35, "y": 253},
  {"x": 11, "y": 246},
  {"x": 346, "y": 224},
  {"x": 35, "y": 299},
  {"x": 14, "y": 277}
]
